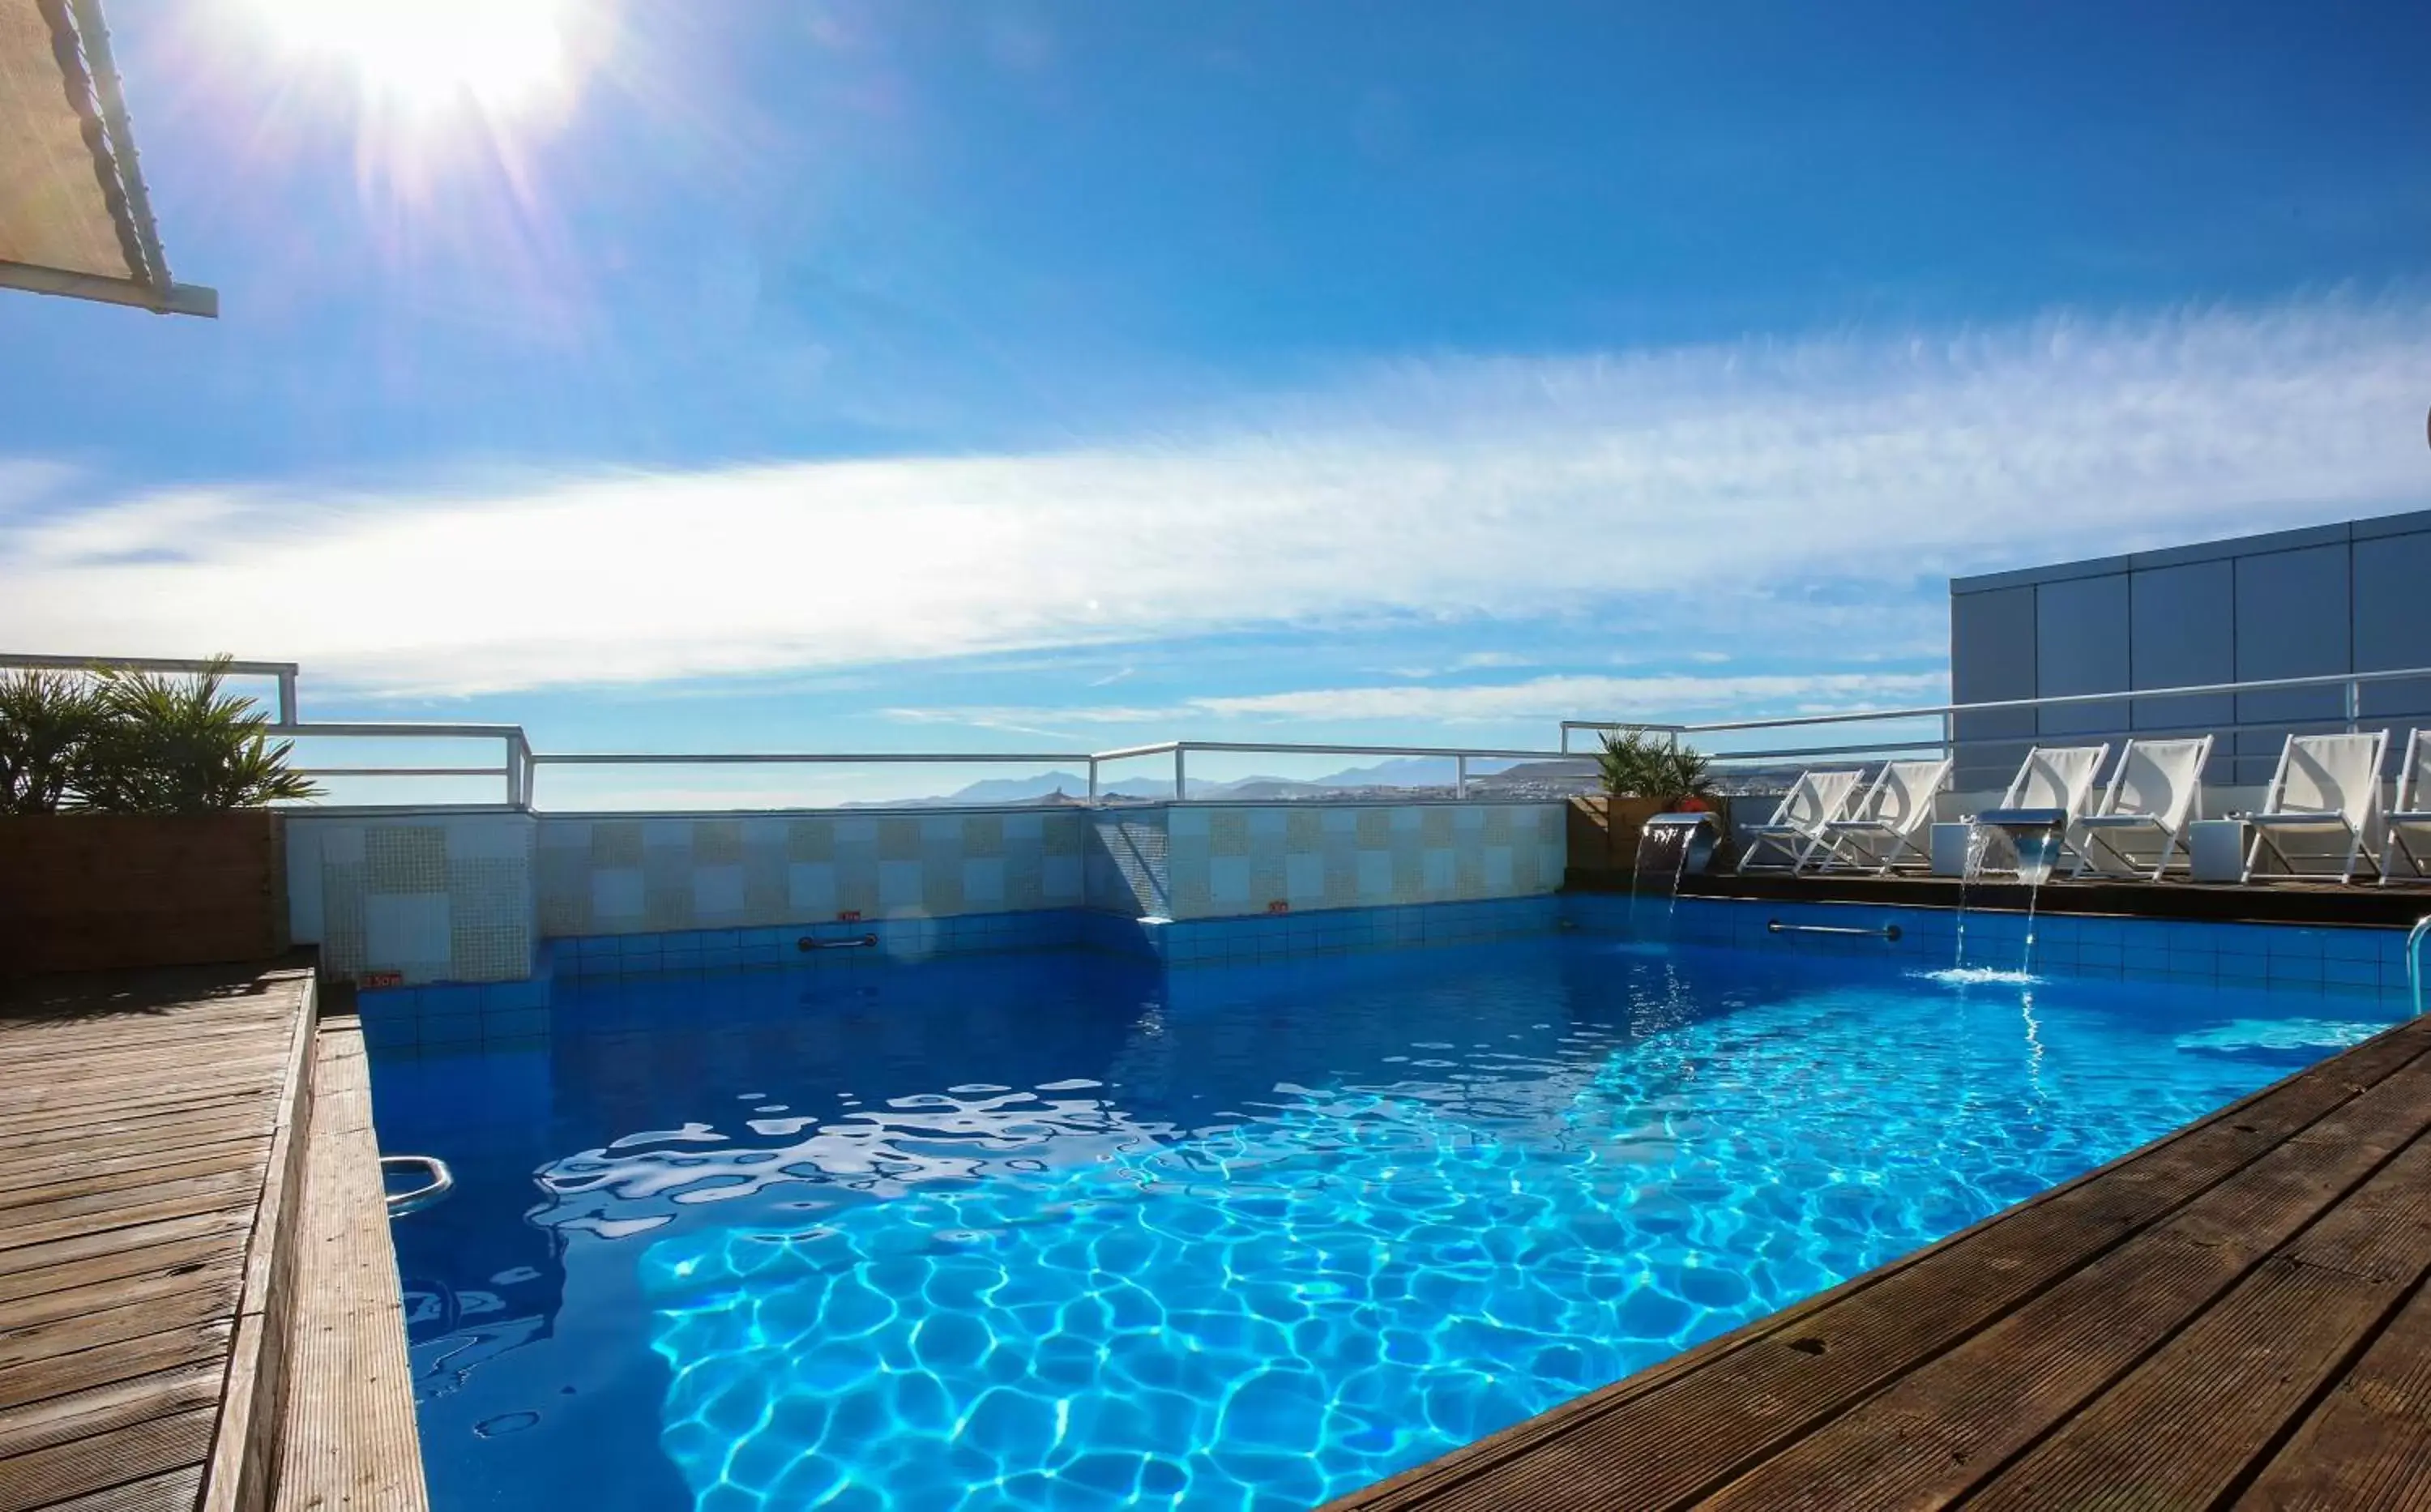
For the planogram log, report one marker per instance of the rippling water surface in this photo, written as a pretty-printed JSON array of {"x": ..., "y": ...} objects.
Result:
[{"x": 1047, "y": 1231}]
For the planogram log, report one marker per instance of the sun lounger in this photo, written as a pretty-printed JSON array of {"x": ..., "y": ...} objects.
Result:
[
  {"x": 2322, "y": 808},
  {"x": 1886, "y": 829},
  {"x": 2139, "y": 828},
  {"x": 1795, "y": 828}
]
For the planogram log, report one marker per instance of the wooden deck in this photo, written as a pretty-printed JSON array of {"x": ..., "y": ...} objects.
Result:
[
  {"x": 2232, "y": 1316},
  {"x": 148, "y": 1157}
]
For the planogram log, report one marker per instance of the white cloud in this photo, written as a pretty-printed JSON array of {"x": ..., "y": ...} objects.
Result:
[
  {"x": 1706, "y": 488},
  {"x": 1660, "y": 698}
]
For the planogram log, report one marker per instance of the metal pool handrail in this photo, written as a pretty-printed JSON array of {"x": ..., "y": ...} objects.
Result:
[
  {"x": 2414, "y": 960},
  {"x": 442, "y": 1181}
]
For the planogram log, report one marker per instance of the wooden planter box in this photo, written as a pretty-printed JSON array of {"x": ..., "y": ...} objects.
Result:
[
  {"x": 1605, "y": 830},
  {"x": 95, "y": 892}
]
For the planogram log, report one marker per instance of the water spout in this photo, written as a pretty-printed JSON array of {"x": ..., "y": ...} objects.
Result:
[
  {"x": 2035, "y": 837},
  {"x": 1677, "y": 844}
]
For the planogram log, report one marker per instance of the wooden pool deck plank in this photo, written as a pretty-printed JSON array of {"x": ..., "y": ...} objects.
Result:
[
  {"x": 2234, "y": 1310},
  {"x": 348, "y": 1438},
  {"x": 145, "y": 1121}
]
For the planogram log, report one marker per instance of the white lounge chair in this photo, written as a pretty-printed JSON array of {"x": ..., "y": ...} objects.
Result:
[
  {"x": 1884, "y": 833},
  {"x": 2140, "y": 823},
  {"x": 2322, "y": 808},
  {"x": 1796, "y": 825},
  {"x": 2408, "y": 844}
]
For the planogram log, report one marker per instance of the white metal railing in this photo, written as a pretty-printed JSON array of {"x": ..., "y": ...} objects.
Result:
[
  {"x": 1952, "y": 734},
  {"x": 519, "y": 765}
]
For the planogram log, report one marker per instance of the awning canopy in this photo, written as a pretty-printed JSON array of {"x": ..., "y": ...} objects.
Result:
[{"x": 74, "y": 217}]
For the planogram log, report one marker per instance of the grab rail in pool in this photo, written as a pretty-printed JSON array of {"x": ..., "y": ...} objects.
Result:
[
  {"x": 859, "y": 942},
  {"x": 1775, "y": 926},
  {"x": 442, "y": 1181},
  {"x": 2414, "y": 960}
]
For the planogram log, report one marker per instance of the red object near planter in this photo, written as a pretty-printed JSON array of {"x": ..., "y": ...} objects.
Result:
[{"x": 98, "y": 892}]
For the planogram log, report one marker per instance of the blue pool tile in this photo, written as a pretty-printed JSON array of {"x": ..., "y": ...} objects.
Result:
[
  {"x": 520, "y": 1023},
  {"x": 2355, "y": 944},
  {"x": 2338, "y": 971},
  {"x": 392, "y": 1032},
  {"x": 452, "y": 1029}
]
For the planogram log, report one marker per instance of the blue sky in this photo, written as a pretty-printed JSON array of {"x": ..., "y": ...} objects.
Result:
[{"x": 983, "y": 377}]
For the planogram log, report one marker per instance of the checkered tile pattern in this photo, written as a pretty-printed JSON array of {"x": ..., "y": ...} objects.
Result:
[
  {"x": 463, "y": 898},
  {"x": 433, "y": 898},
  {"x": 606, "y": 876},
  {"x": 1221, "y": 863}
]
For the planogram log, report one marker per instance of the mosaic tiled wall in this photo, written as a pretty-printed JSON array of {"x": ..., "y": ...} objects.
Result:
[
  {"x": 1224, "y": 861},
  {"x": 434, "y": 898},
  {"x": 649, "y": 875},
  {"x": 464, "y": 898},
  {"x": 1126, "y": 871}
]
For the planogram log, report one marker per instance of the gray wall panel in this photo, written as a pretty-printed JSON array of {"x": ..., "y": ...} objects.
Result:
[
  {"x": 2081, "y": 646},
  {"x": 2294, "y": 621},
  {"x": 2392, "y": 626},
  {"x": 1992, "y": 656},
  {"x": 2184, "y": 633}
]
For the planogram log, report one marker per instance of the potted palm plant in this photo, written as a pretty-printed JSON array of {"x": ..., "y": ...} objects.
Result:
[
  {"x": 134, "y": 822},
  {"x": 1644, "y": 773}
]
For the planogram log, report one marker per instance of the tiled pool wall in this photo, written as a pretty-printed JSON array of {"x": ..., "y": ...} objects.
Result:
[
  {"x": 471, "y": 897},
  {"x": 2280, "y": 957},
  {"x": 444, "y": 1014}
]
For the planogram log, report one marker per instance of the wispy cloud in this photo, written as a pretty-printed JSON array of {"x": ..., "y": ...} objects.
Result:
[
  {"x": 1712, "y": 487},
  {"x": 1546, "y": 698}
]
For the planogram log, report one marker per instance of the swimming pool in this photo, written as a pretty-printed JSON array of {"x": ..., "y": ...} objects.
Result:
[{"x": 1059, "y": 1229}]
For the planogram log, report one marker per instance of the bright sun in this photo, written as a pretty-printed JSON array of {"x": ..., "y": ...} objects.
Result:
[{"x": 437, "y": 57}]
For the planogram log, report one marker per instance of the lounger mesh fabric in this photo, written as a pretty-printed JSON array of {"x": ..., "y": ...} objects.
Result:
[
  {"x": 1795, "y": 826},
  {"x": 2322, "y": 812},
  {"x": 2139, "y": 828},
  {"x": 1896, "y": 810}
]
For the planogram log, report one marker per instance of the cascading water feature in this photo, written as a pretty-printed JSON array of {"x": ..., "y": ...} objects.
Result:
[
  {"x": 1979, "y": 844},
  {"x": 1676, "y": 843},
  {"x": 2035, "y": 836}
]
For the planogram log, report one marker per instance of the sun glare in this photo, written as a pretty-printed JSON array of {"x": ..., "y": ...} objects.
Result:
[{"x": 433, "y": 56}]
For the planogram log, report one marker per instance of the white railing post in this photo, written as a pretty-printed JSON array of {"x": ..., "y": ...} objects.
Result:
[
  {"x": 287, "y": 711},
  {"x": 1460, "y": 776},
  {"x": 1180, "y": 782},
  {"x": 2354, "y": 704},
  {"x": 1093, "y": 782}
]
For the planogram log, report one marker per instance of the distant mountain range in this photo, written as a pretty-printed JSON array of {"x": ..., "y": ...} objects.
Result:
[{"x": 1400, "y": 774}]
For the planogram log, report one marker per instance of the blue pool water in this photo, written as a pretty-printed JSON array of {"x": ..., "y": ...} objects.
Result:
[{"x": 1061, "y": 1231}]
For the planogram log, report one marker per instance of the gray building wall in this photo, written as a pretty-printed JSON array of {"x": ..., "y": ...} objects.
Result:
[{"x": 2352, "y": 597}]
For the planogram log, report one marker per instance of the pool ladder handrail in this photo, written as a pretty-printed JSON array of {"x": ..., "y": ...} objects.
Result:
[
  {"x": 2414, "y": 960},
  {"x": 414, "y": 1199}
]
